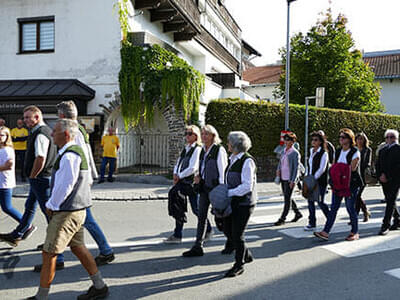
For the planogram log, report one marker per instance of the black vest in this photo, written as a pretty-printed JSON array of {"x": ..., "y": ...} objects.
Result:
[
  {"x": 210, "y": 174},
  {"x": 356, "y": 180},
  {"x": 184, "y": 161},
  {"x": 323, "y": 179},
  {"x": 234, "y": 179},
  {"x": 30, "y": 152}
]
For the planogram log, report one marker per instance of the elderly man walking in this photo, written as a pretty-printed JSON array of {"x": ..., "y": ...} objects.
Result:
[{"x": 66, "y": 208}]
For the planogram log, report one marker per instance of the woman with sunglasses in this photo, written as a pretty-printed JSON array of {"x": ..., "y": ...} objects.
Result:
[
  {"x": 318, "y": 167},
  {"x": 213, "y": 162},
  {"x": 365, "y": 164},
  {"x": 187, "y": 166},
  {"x": 288, "y": 172},
  {"x": 346, "y": 154}
]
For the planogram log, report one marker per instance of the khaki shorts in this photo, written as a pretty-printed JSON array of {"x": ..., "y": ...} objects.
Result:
[{"x": 65, "y": 229}]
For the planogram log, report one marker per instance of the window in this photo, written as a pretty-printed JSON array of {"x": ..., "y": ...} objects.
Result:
[{"x": 36, "y": 34}]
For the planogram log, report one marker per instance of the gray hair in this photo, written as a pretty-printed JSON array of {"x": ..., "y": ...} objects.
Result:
[
  {"x": 69, "y": 125},
  {"x": 239, "y": 141},
  {"x": 68, "y": 109},
  {"x": 392, "y": 131},
  {"x": 211, "y": 129}
]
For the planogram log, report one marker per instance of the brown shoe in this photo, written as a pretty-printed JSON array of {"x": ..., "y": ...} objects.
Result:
[
  {"x": 352, "y": 237},
  {"x": 322, "y": 235},
  {"x": 367, "y": 214}
]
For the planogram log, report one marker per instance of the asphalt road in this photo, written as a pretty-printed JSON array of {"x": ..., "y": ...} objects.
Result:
[{"x": 289, "y": 263}]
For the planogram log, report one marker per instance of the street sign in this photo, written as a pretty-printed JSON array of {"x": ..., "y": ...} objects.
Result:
[{"x": 320, "y": 97}]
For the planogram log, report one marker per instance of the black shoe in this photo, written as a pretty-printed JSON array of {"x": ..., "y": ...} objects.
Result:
[
  {"x": 100, "y": 181},
  {"x": 93, "y": 293},
  {"x": 104, "y": 259},
  {"x": 227, "y": 250},
  {"x": 32, "y": 298},
  {"x": 27, "y": 234},
  {"x": 384, "y": 231},
  {"x": 195, "y": 251},
  {"x": 38, "y": 268},
  {"x": 297, "y": 217},
  {"x": 7, "y": 238},
  {"x": 235, "y": 271},
  {"x": 40, "y": 247},
  {"x": 111, "y": 179},
  {"x": 279, "y": 222},
  {"x": 395, "y": 226},
  {"x": 383, "y": 201}
]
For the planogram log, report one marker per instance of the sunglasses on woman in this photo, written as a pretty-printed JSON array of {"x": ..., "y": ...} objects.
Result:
[{"x": 189, "y": 133}]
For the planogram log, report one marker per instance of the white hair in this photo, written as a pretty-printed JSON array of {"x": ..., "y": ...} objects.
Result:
[
  {"x": 211, "y": 129},
  {"x": 69, "y": 125},
  {"x": 239, "y": 141},
  {"x": 68, "y": 109},
  {"x": 392, "y": 131}
]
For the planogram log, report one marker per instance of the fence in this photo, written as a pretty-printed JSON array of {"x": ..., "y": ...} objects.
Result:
[{"x": 144, "y": 153}]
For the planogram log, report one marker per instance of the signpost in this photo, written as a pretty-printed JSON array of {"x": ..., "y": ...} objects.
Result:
[{"x": 319, "y": 102}]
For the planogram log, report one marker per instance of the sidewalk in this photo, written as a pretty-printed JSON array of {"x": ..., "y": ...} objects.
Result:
[{"x": 129, "y": 187}]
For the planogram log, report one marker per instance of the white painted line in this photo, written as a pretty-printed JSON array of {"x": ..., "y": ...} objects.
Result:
[
  {"x": 366, "y": 245},
  {"x": 300, "y": 233},
  {"x": 394, "y": 273},
  {"x": 161, "y": 241}
]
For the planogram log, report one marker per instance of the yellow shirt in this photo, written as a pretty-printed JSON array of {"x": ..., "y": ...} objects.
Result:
[
  {"x": 110, "y": 144},
  {"x": 17, "y": 132}
]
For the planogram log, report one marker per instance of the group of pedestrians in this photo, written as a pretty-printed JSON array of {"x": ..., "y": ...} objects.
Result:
[
  {"x": 60, "y": 168},
  {"x": 205, "y": 175}
]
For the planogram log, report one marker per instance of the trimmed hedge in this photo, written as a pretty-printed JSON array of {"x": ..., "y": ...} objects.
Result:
[{"x": 264, "y": 121}]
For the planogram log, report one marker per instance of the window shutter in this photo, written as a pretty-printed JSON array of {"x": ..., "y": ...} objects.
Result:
[
  {"x": 46, "y": 35},
  {"x": 29, "y": 37}
]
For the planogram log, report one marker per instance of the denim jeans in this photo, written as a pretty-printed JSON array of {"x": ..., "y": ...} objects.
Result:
[
  {"x": 39, "y": 192},
  {"x": 312, "y": 221},
  {"x": 96, "y": 233},
  {"x": 6, "y": 205},
  {"x": 193, "y": 199},
  {"x": 351, "y": 209},
  {"x": 111, "y": 168},
  {"x": 20, "y": 157}
]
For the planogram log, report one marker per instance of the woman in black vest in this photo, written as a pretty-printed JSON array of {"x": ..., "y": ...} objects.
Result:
[
  {"x": 213, "y": 162},
  {"x": 346, "y": 154},
  {"x": 365, "y": 164},
  {"x": 318, "y": 167},
  {"x": 187, "y": 166},
  {"x": 241, "y": 180}
]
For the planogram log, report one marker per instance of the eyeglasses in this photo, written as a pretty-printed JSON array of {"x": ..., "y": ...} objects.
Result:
[
  {"x": 315, "y": 140},
  {"x": 342, "y": 137},
  {"x": 2, "y": 134},
  {"x": 390, "y": 137},
  {"x": 189, "y": 133}
]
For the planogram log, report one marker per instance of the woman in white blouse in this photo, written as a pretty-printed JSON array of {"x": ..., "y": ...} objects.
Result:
[{"x": 7, "y": 174}]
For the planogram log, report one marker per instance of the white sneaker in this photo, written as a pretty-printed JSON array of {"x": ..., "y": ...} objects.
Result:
[
  {"x": 173, "y": 240},
  {"x": 309, "y": 228}
]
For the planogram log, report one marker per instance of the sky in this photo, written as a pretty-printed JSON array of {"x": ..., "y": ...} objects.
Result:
[{"x": 374, "y": 24}]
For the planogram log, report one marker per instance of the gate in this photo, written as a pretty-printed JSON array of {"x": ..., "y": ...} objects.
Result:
[{"x": 144, "y": 153}]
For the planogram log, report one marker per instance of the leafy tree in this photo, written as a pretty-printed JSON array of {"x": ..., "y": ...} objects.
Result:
[{"x": 325, "y": 57}]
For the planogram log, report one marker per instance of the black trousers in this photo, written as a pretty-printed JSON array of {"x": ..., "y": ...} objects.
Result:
[
  {"x": 287, "y": 194},
  {"x": 391, "y": 191},
  {"x": 20, "y": 158},
  {"x": 234, "y": 227}
]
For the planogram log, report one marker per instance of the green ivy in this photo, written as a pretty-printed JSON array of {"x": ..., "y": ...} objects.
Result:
[{"x": 153, "y": 76}]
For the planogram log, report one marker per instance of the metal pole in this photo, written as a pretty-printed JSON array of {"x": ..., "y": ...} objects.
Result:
[
  {"x": 287, "y": 72},
  {"x": 306, "y": 139}
]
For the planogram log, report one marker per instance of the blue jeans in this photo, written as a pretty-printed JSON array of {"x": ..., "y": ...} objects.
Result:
[
  {"x": 97, "y": 234},
  {"x": 312, "y": 221},
  {"x": 39, "y": 192},
  {"x": 111, "y": 168},
  {"x": 6, "y": 205},
  {"x": 351, "y": 209},
  {"x": 194, "y": 203}
]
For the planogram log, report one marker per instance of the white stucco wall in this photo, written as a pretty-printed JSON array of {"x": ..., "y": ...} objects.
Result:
[
  {"x": 390, "y": 96},
  {"x": 265, "y": 92},
  {"x": 87, "y": 43}
]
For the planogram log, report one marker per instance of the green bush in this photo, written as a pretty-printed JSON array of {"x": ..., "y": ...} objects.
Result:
[{"x": 263, "y": 122}]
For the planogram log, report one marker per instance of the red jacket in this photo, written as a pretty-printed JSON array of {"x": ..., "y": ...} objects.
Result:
[{"x": 340, "y": 175}]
